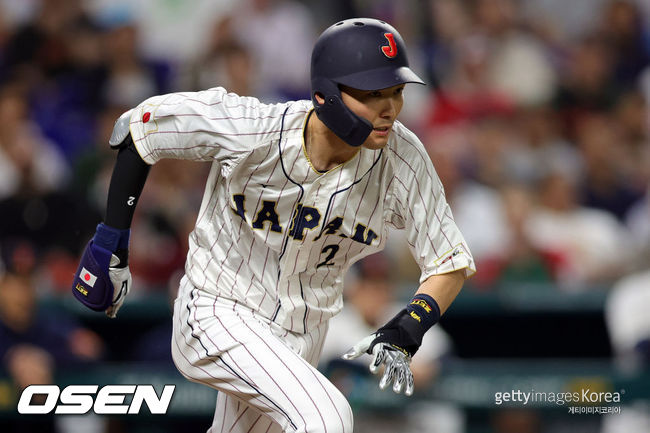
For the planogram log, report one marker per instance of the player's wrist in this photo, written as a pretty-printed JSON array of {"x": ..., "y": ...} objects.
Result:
[
  {"x": 111, "y": 238},
  {"x": 406, "y": 330},
  {"x": 424, "y": 310}
]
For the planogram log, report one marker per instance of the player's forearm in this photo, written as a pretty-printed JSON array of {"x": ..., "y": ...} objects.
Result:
[
  {"x": 128, "y": 179},
  {"x": 443, "y": 288}
]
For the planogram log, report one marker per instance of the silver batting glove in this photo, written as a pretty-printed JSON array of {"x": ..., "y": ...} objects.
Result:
[
  {"x": 397, "y": 364},
  {"x": 121, "y": 279}
]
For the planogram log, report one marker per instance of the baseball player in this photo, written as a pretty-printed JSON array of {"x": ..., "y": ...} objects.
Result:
[{"x": 297, "y": 192}]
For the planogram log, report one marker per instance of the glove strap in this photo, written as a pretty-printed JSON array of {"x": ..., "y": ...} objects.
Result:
[
  {"x": 111, "y": 238},
  {"x": 425, "y": 310}
]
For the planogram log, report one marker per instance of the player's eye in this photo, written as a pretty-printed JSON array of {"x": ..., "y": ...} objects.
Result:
[
  {"x": 375, "y": 94},
  {"x": 399, "y": 90}
]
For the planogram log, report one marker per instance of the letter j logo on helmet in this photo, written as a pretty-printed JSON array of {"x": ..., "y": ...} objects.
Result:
[{"x": 389, "y": 50}]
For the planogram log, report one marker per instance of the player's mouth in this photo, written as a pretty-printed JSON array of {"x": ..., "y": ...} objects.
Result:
[{"x": 382, "y": 130}]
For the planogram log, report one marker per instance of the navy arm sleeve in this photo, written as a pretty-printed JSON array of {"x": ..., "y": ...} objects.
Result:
[{"x": 128, "y": 179}]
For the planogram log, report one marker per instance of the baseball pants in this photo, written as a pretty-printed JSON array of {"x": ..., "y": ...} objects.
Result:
[{"x": 265, "y": 375}]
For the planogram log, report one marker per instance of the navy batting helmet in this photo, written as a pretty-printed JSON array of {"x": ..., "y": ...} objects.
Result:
[{"x": 362, "y": 53}]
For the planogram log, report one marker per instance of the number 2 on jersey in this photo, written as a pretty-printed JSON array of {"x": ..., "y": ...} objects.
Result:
[{"x": 333, "y": 249}]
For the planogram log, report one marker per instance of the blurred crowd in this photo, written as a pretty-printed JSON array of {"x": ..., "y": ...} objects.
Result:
[
  {"x": 536, "y": 119},
  {"x": 539, "y": 133}
]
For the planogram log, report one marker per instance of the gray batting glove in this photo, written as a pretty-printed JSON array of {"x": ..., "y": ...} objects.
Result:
[
  {"x": 397, "y": 364},
  {"x": 121, "y": 278}
]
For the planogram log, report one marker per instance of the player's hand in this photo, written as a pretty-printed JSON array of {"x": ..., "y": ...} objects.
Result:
[
  {"x": 395, "y": 343},
  {"x": 103, "y": 279},
  {"x": 396, "y": 362}
]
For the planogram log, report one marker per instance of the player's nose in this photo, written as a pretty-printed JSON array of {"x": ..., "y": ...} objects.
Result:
[{"x": 389, "y": 108}]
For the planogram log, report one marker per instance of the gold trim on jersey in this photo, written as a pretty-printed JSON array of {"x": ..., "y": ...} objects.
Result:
[
  {"x": 147, "y": 108},
  {"x": 304, "y": 150}
]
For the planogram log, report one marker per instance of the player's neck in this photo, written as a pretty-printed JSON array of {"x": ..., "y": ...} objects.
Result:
[{"x": 325, "y": 149}]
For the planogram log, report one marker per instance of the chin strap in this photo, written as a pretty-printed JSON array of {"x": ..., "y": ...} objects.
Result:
[{"x": 349, "y": 127}]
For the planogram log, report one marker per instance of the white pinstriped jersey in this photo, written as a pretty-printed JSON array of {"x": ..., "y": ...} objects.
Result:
[{"x": 273, "y": 233}]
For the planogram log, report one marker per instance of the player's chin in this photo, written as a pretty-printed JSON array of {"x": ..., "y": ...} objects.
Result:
[{"x": 376, "y": 141}]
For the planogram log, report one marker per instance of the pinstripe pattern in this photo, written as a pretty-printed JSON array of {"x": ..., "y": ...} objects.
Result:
[
  {"x": 274, "y": 239},
  {"x": 285, "y": 387}
]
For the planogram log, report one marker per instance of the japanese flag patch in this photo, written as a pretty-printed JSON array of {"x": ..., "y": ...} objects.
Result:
[{"x": 87, "y": 277}]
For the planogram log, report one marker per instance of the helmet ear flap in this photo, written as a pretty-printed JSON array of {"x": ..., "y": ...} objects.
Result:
[
  {"x": 346, "y": 124},
  {"x": 351, "y": 128}
]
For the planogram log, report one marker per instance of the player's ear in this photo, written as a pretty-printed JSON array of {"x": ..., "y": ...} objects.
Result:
[{"x": 319, "y": 98}]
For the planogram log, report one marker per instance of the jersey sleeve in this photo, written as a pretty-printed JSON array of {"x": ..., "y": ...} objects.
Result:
[
  {"x": 200, "y": 126},
  {"x": 432, "y": 234}
]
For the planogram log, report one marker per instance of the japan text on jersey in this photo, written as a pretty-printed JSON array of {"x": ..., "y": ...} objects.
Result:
[{"x": 275, "y": 234}]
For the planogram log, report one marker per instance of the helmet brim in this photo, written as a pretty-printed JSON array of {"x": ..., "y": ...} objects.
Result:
[{"x": 380, "y": 78}]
